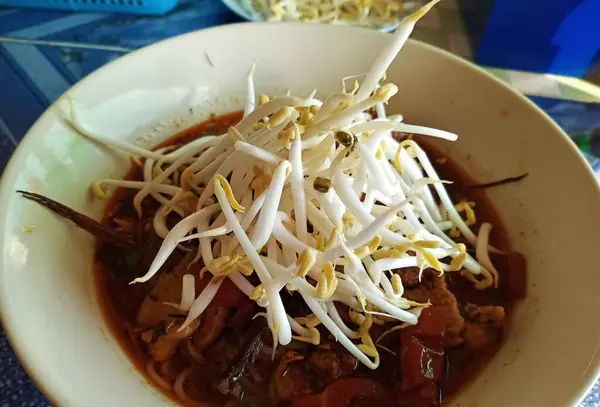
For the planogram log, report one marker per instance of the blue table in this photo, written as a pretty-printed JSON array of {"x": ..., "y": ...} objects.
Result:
[{"x": 43, "y": 53}]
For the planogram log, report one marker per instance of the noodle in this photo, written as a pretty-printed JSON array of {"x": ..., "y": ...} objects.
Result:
[
  {"x": 179, "y": 381},
  {"x": 197, "y": 356},
  {"x": 182, "y": 395},
  {"x": 155, "y": 376}
]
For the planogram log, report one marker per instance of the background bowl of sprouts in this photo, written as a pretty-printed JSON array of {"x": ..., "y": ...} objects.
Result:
[
  {"x": 383, "y": 15},
  {"x": 49, "y": 305}
]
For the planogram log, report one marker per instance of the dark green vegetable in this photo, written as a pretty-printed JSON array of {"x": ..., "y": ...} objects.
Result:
[
  {"x": 321, "y": 184},
  {"x": 344, "y": 138},
  {"x": 93, "y": 227},
  {"x": 503, "y": 181}
]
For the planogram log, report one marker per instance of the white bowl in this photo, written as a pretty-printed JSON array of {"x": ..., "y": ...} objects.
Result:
[{"x": 49, "y": 307}]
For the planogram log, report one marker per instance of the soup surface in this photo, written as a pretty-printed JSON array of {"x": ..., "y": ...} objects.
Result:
[{"x": 227, "y": 356}]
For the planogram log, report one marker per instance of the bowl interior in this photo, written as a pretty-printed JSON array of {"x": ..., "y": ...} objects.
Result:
[{"x": 48, "y": 302}]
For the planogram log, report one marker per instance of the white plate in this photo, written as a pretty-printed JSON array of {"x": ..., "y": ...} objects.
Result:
[{"x": 49, "y": 310}]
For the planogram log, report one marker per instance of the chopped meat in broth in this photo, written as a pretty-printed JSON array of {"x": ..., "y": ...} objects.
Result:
[{"x": 291, "y": 378}]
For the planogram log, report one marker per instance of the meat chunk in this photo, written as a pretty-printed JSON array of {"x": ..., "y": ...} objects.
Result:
[
  {"x": 162, "y": 345},
  {"x": 325, "y": 364},
  {"x": 453, "y": 321},
  {"x": 330, "y": 365},
  {"x": 409, "y": 276},
  {"x": 454, "y": 326},
  {"x": 291, "y": 379},
  {"x": 484, "y": 323},
  {"x": 166, "y": 289},
  {"x": 212, "y": 326},
  {"x": 444, "y": 305},
  {"x": 422, "y": 360},
  {"x": 440, "y": 294},
  {"x": 421, "y": 293},
  {"x": 348, "y": 363},
  {"x": 487, "y": 314}
]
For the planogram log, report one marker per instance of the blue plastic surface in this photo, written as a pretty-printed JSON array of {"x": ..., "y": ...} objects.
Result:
[
  {"x": 159, "y": 7},
  {"x": 555, "y": 36}
]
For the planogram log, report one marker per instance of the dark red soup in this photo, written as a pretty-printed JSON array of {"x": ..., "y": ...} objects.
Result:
[{"x": 226, "y": 358}]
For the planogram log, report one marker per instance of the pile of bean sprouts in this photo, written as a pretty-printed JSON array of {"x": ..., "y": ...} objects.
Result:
[
  {"x": 379, "y": 13},
  {"x": 315, "y": 197}
]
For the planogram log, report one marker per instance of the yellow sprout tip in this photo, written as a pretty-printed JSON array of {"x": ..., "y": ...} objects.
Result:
[
  {"x": 417, "y": 15},
  {"x": 262, "y": 99},
  {"x": 222, "y": 182},
  {"x": 98, "y": 192}
]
